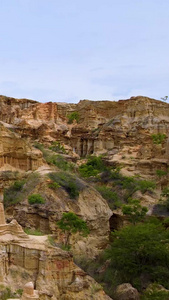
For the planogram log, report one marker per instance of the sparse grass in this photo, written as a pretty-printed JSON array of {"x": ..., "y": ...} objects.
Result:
[
  {"x": 51, "y": 241},
  {"x": 6, "y": 293},
  {"x": 33, "y": 232}
]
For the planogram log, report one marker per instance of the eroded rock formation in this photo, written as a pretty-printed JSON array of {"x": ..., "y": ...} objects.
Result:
[
  {"x": 121, "y": 129},
  {"x": 16, "y": 153},
  {"x": 51, "y": 269}
]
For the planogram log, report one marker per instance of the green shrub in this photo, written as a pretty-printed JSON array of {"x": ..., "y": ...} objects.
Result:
[
  {"x": 20, "y": 189},
  {"x": 145, "y": 185},
  {"x": 11, "y": 194},
  {"x": 161, "y": 173},
  {"x": 70, "y": 183},
  {"x": 158, "y": 138},
  {"x": 73, "y": 116},
  {"x": 36, "y": 199},
  {"x": 93, "y": 167},
  {"x": 57, "y": 147},
  {"x": 111, "y": 196},
  {"x": 53, "y": 185},
  {"x": 18, "y": 185},
  {"x": 134, "y": 211}
]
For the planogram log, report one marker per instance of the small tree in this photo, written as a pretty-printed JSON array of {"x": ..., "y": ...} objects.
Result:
[
  {"x": 71, "y": 223},
  {"x": 134, "y": 210},
  {"x": 164, "y": 98}
]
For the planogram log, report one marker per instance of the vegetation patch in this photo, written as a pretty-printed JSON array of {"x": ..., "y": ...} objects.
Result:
[
  {"x": 69, "y": 182},
  {"x": 161, "y": 173},
  {"x": 53, "y": 185},
  {"x": 134, "y": 211},
  {"x": 158, "y": 138},
  {"x": 111, "y": 196},
  {"x": 155, "y": 292},
  {"x": 12, "y": 194},
  {"x": 20, "y": 189},
  {"x": 55, "y": 159},
  {"x": 36, "y": 199},
  {"x": 114, "y": 186},
  {"x": 33, "y": 232},
  {"x": 93, "y": 167},
  {"x": 57, "y": 147},
  {"x": 137, "y": 254},
  {"x": 73, "y": 116},
  {"x": 6, "y": 293}
]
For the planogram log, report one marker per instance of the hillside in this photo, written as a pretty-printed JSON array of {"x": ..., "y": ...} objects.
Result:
[{"x": 92, "y": 158}]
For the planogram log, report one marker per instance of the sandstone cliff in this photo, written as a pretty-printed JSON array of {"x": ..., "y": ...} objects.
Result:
[
  {"x": 24, "y": 258},
  {"x": 122, "y": 131}
]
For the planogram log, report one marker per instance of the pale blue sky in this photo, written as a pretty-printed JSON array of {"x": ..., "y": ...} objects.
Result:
[{"x": 69, "y": 50}]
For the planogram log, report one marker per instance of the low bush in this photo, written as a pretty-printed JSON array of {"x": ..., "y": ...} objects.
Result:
[
  {"x": 20, "y": 189},
  {"x": 158, "y": 138},
  {"x": 12, "y": 194},
  {"x": 36, "y": 199},
  {"x": 53, "y": 185},
  {"x": 57, "y": 147},
  {"x": 161, "y": 173},
  {"x": 73, "y": 116},
  {"x": 111, "y": 196},
  {"x": 93, "y": 167},
  {"x": 18, "y": 185}
]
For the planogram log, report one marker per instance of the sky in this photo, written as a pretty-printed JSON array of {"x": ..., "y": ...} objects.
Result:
[{"x": 66, "y": 51}]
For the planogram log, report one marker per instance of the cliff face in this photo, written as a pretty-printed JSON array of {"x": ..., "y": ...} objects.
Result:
[
  {"x": 122, "y": 131},
  {"x": 52, "y": 270},
  {"x": 118, "y": 129},
  {"x": 16, "y": 153}
]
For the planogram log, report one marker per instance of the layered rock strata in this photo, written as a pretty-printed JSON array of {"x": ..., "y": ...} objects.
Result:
[
  {"x": 104, "y": 127},
  {"x": 51, "y": 269},
  {"x": 16, "y": 153}
]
